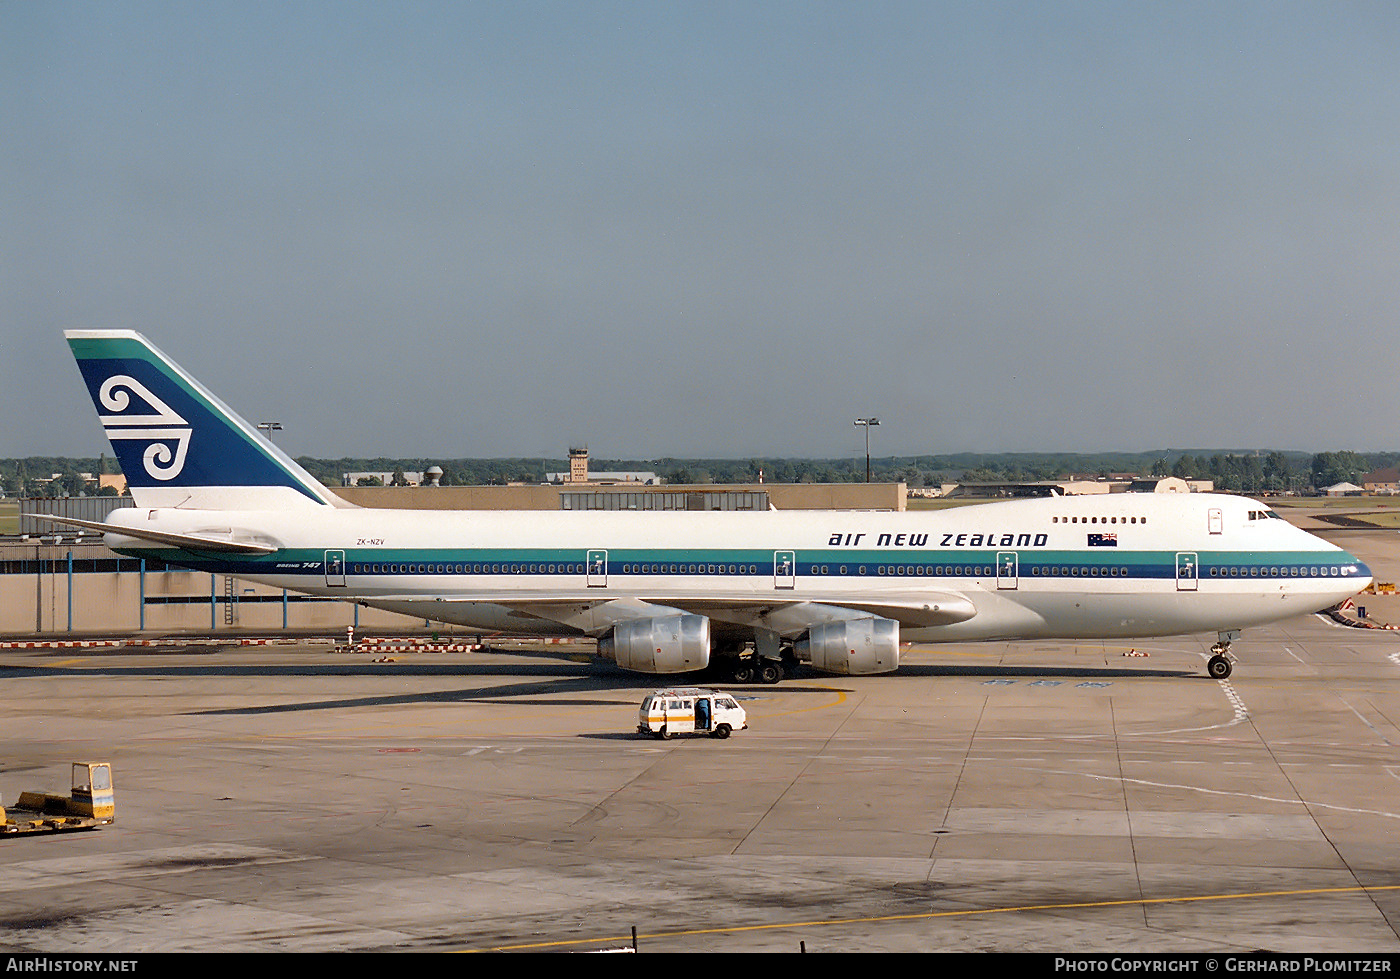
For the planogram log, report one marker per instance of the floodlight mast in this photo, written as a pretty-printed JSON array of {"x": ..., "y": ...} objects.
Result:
[{"x": 867, "y": 423}]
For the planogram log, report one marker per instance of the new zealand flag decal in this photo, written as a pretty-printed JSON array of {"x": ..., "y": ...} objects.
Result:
[{"x": 1103, "y": 540}]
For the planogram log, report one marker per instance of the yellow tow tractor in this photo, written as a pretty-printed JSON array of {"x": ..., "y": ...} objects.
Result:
[{"x": 91, "y": 804}]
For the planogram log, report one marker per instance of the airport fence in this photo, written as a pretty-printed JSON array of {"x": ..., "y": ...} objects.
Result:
[{"x": 55, "y": 586}]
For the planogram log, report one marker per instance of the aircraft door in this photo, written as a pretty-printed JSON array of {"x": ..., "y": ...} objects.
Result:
[
  {"x": 1186, "y": 571},
  {"x": 597, "y": 569},
  {"x": 335, "y": 569},
  {"x": 1007, "y": 567},
  {"x": 784, "y": 569},
  {"x": 1214, "y": 520}
]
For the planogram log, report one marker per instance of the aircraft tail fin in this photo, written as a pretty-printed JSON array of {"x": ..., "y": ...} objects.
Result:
[{"x": 178, "y": 444}]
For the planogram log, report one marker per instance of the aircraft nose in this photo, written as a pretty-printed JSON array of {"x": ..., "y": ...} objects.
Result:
[{"x": 1361, "y": 575}]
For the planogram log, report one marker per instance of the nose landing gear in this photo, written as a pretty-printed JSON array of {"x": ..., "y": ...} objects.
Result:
[{"x": 1219, "y": 666}]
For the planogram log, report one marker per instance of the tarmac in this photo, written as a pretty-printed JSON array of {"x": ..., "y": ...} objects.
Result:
[{"x": 1029, "y": 797}]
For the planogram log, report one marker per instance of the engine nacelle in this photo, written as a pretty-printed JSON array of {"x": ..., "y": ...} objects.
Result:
[
  {"x": 667, "y": 644},
  {"x": 852, "y": 647}
]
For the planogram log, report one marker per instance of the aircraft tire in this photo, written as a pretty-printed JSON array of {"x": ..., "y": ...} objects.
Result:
[
  {"x": 742, "y": 672},
  {"x": 770, "y": 672},
  {"x": 1218, "y": 667}
]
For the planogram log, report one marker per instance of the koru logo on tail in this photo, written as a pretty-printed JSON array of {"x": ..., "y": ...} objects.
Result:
[{"x": 158, "y": 425}]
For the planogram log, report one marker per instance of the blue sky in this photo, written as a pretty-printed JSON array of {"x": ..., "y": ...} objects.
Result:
[{"x": 709, "y": 229}]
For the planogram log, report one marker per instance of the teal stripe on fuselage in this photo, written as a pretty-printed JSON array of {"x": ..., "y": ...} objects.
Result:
[{"x": 750, "y": 563}]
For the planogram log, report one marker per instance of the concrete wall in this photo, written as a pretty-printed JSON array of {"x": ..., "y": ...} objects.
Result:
[
  {"x": 110, "y": 603},
  {"x": 784, "y": 496}
]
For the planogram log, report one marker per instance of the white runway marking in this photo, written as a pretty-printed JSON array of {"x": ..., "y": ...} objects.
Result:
[
  {"x": 1242, "y": 795},
  {"x": 1374, "y": 729},
  {"x": 1241, "y": 711},
  {"x": 1241, "y": 714}
]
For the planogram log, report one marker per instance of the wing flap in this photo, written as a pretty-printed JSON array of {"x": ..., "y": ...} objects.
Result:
[
  {"x": 788, "y": 618},
  {"x": 595, "y": 617}
]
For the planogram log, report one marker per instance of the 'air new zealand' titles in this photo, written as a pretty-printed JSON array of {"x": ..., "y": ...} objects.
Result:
[{"x": 670, "y": 592}]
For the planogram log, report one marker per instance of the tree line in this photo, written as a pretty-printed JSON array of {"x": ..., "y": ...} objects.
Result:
[{"x": 1246, "y": 472}]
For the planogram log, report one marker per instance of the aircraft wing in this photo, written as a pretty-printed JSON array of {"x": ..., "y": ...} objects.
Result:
[
  {"x": 789, "y": 618},
  {"x": 786, "y": 618}
]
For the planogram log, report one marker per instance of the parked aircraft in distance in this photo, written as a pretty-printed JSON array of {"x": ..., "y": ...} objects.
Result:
[{"x": 672, "y": 592}]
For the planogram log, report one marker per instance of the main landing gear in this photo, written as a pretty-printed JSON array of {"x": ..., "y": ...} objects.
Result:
[
  {"x": 751, "y": 669},
  {"x": 1219, "y": 665},
  {"x": 746, "y": 666}
]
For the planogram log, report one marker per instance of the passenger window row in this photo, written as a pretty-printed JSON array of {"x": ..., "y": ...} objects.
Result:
[
  {"x": 894, "y": 570},
  {"x": 1280, "y": 571},
  {"x": 689, "y": 569},
  {"x": 1078, "y": 571},
  {"x": 466, "y": 568}
]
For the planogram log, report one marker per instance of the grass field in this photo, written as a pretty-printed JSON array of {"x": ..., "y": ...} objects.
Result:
[
  {"x": 9, "y": 517},
  {"x": 924, "y": 503},
  {"x": 1334, "y": 502},
  {"x": 1374, "y": 511}
]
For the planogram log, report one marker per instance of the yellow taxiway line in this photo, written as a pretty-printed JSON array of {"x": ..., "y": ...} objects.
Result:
[{"x": 930, "y": 915}]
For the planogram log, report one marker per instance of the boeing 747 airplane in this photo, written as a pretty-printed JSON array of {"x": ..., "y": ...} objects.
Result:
[{"x": 671, "y": 592}]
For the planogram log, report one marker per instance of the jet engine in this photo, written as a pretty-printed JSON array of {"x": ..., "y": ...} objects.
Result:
[
  {"x": 667, "y": 644},
  {"x": 852, "y": 647}
]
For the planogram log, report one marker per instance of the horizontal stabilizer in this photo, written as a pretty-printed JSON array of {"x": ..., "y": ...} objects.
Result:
[{"x": 189, "y": 542}]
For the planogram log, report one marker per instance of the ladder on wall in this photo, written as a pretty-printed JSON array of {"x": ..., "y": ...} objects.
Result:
[{"x": 229, "y": 596}]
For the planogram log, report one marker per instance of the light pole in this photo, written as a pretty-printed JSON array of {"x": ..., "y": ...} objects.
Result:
[
  {"x": 267, "y": 428},
  {"x": 866, "y": 423}
]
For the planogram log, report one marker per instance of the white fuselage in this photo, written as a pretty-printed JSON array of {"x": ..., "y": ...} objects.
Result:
[{"x": 1121, "y": 565}]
